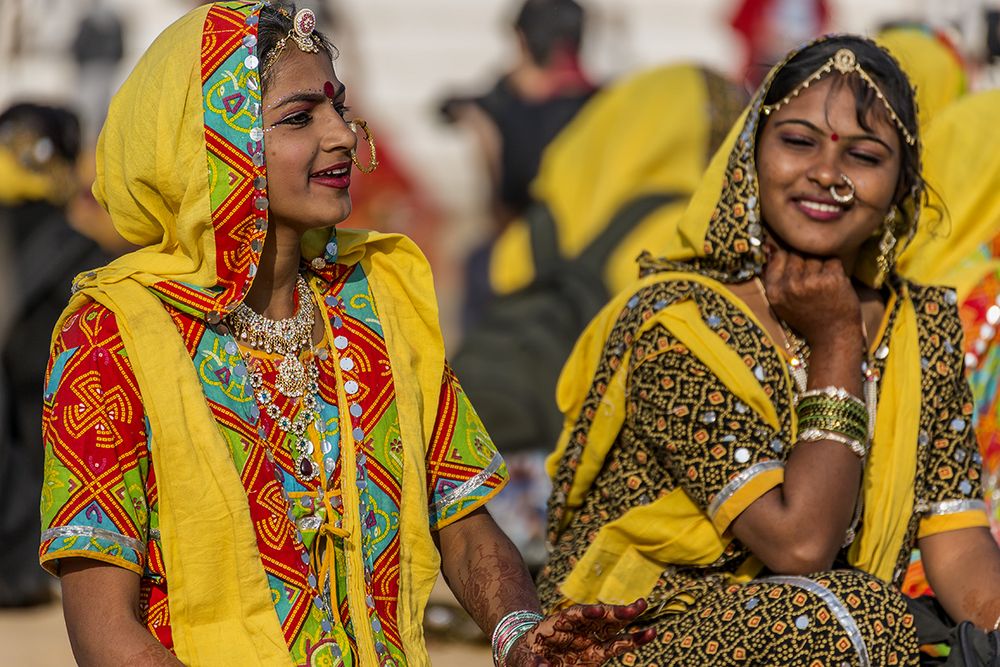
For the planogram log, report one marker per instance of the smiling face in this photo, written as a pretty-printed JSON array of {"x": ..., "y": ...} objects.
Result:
[
  {"x": 307, "y": 143},
  {"x": 802, "y": 151}
]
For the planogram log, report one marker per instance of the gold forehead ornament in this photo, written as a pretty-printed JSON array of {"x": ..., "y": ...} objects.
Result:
[
  {"x": 302, "y": 33},
  {"x": 845, "y": 62}
]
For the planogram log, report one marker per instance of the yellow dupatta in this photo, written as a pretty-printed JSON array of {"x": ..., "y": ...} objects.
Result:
[
  {"x": 173, "y": 177},
  {"x": 650, "y": 133},
  {"x": 936, "y": 71},
  {"x": 713, "y": 246},
  {"x": 961, "y": 161}
]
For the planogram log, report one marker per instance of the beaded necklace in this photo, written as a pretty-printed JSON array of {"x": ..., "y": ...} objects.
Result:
[{"x": 295, "y": 379}]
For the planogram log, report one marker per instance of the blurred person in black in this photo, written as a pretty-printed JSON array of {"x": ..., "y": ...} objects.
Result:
[
  {"x": 527, "y": 107},
  {"x": 518, "y": 117},
  {"x": 39, "y": 146}
]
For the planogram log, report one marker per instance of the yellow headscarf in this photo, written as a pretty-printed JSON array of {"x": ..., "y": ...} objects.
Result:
[
  {"x": 182, "y": 173},
  {"x": 717, "y": 243},
  {"x": 650, "y": 133},
  {"x": 935, "y": 69},
  {"x": 961, "y": 165}
]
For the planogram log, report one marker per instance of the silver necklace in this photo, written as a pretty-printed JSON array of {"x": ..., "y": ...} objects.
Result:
[
  {"x": 297, "y": 426},
  {"x": 285, "y": 337}
]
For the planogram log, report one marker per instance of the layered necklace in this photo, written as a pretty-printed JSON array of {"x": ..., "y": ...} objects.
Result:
[{"x": 295, "y": 379}]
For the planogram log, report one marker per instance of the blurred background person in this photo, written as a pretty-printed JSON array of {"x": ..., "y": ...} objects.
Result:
[
  {"x": 39, "y": 146},
  {"x": 527, "y": 107},
  {"x": 515, "y": 120},
  {"x": 769, "y": 28},
  {"x": 614, "y": 182},
  {"x": 97, "y": 48}
]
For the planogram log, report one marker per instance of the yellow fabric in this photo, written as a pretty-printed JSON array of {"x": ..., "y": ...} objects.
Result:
[
  {"x": 646, "y": 134},
  {"x": 961, "y": 164},
  {"x": 629, "y": 549},
  {"x": 943, "y": 523},
  {"x": 627, "y": 555},
  {"x": 221, "y": 608},
  {"x": 933, "y": 68},
  {"x": 403, "y": 288},
  {"x": 887, "y": 486},
  {"x": 158, "y": 198},
  {"x": 18, "y": 184}
]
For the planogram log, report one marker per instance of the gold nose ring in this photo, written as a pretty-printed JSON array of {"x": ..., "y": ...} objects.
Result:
[
  {"x": 360, "y": 128},
  {"x": 843, "y": 199}
]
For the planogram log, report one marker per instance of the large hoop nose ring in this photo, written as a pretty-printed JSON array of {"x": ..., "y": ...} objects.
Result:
[
  {"x": 839, "y": 198},
  {"x": 360, "y": 128}
]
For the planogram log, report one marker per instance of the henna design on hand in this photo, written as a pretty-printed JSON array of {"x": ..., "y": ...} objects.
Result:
[{"x": 581, "y": 636}]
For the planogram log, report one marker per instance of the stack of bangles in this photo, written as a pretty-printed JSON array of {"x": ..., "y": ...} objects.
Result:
[
  {"x": 833, "y": 413},
  {"x": 511, "y": 627}
]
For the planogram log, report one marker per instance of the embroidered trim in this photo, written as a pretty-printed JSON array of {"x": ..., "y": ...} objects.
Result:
[
  {"x": 951, "y": 507},
  {"x": 836, "y": 606},
  {"x": 468, "y": 486},
  {"x": 74, "y": 532},
  {"x": 738, "y": 482}
]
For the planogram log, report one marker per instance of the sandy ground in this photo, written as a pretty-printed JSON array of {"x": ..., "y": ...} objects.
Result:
[{"x": 37, "y": 638}]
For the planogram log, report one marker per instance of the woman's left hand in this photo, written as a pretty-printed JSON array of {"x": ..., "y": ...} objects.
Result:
[{"x": 580, "y": 636}]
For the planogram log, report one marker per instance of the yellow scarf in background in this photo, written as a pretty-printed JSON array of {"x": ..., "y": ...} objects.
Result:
[
  {"x": 961, "y": 159},
  {"x": 153, "y": 177},
  {"x": 650, "y": 133},
  {"x": 634, "y": 550},
  {"x": 935, "y": 70}
]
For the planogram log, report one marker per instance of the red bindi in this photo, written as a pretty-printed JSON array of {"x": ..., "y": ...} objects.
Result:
[
  {"x": 328, "y": 89},
  {"x": 835, "y": 137}
]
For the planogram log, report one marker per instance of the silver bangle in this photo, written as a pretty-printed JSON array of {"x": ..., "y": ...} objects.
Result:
[
  {"x": 817, "y": 434},
  {"x": 511, "y": 627},
  {"x": 996, "y": 624}
]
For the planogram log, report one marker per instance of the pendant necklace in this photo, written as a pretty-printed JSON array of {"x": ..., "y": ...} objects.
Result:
[{"x": 294, "y": 379}]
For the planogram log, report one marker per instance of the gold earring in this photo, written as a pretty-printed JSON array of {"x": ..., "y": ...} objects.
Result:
[
  {"x": 886, "y": 251},
  {"x": 366, "y": 134}
]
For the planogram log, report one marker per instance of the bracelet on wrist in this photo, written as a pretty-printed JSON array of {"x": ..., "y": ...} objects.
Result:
[
  {"x": 856, "y": 446},
  {"x": 511, "y": 627},
  {"x": 833, "y": 392},
  {"x": 833, "y": 409}
]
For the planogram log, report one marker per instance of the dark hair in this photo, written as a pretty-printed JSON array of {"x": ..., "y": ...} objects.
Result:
[
  {"x": 57, "y": 124},
  {"x": 894, "y": 84},
  {"x": 274, "y": 24},
  {"x": 548, "y": 24}
]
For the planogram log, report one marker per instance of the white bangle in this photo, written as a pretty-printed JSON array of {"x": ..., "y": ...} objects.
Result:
[
  {"x": 996, "y": 624},
  {"x": 817, "y": 434}
]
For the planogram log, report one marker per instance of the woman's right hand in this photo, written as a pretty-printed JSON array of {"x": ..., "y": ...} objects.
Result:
[{"x": 813, "y": 296}]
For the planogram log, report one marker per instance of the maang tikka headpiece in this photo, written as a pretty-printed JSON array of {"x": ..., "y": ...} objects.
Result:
[
  {"x": 302, "y": 33},
  {"x": 845, "y": 62}
]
